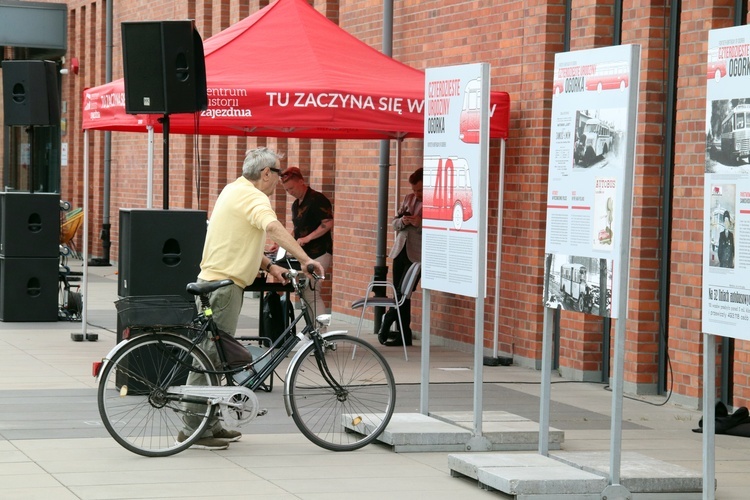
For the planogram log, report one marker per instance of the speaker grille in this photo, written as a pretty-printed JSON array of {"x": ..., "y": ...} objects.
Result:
[
  {"x": 31, "y": 95},
  {"x": 160, "y": 251},
  {"x": 28, "y": 289},
  {"x": 29, "y": 224}
]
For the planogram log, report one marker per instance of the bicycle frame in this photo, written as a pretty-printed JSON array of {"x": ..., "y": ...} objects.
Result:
[
  {"x": 283, "y": 346},
  {"x": 280, "y": 349}
]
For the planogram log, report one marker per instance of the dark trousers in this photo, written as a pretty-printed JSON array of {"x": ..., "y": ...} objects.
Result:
[{"x": 400, "y": 265}]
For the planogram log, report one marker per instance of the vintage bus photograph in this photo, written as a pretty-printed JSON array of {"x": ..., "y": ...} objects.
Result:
[
  {"x": 574, "y": 283},
  {"x": 728, "y": 136},
  {"x": 599, "y": 135}
]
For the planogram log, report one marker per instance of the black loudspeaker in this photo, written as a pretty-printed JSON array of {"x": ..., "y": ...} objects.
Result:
[
  {"x": 28, "y": 289},
  {"x": 160, "y": 251},
  {"x": 29, "y": 224},
  {"x": 30, "y": 94},
  {"x": 165, "y": 71}
]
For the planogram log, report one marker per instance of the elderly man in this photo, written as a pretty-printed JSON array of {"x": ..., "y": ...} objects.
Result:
[
  {"x": 240, "y": 221},
  {"x": 312, "y": 217}
]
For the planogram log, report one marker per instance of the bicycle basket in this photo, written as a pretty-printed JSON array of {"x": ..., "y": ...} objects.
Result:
[{"x": 156, "y": 310}]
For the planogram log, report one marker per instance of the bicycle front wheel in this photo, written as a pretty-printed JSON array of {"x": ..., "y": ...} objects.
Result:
[
  {"x": 135, "y": 405},
  {"x": 343, "y": 397}
]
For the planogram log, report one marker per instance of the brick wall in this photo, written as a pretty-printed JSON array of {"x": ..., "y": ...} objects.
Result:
[{"x": 685, "y": 340}]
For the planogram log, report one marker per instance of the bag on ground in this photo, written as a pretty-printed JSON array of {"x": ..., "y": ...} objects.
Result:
[{"x": 272, "y": 319}]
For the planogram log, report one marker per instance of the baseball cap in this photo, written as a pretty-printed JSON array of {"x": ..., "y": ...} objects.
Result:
[{"x": 291, "y": 173}]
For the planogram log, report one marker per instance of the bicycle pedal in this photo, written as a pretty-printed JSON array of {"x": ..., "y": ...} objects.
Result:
[{"x": 262, "y": 412}]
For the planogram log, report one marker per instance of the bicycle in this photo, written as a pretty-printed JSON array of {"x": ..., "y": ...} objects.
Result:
[{"x": 338, "y": 389}]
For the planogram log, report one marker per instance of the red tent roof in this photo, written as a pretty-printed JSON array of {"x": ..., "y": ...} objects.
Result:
[{"x": 288, "y": 71}]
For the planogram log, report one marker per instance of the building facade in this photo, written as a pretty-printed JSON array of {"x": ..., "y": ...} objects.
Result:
[{"x": 519, "y": 39}]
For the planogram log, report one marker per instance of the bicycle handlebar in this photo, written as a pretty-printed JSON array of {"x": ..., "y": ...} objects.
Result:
[
  {"x": 311, "y": 270},
  {"x": 292, "y": 274}
]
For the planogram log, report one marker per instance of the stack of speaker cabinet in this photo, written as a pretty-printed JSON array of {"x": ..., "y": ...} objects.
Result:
[
  {"x": 29, "y": 222},
  {"x": 160, "y": 252},
  {"x": 164, "y": 72},
  {"x": 29, "y": 256}
]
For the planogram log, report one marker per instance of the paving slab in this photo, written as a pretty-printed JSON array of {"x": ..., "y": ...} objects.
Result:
[{"x": 49, "y": 425}]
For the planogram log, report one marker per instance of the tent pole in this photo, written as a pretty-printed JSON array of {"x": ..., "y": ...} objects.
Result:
[
  {"x": 78, "y": 337},
  {"x": 498, "y": 248},
  {"x": 85, "y": 278}
]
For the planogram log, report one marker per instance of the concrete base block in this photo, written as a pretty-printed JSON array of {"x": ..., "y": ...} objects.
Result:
[
  {"x": 414, "y": 432},
  {"x": 504, "y": 430},
  {"x": 523, "y": 475},
  {"x": 576, "y": 475},
  {"x": 638, "y": 473}
]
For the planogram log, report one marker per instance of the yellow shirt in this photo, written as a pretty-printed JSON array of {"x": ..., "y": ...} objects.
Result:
[{"x": 236, "y": 234}]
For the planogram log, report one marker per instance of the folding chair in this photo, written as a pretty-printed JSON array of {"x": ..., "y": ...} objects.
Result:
[
  {"x": 408, "y": 283},
  {"x": 68, "y": 229}
]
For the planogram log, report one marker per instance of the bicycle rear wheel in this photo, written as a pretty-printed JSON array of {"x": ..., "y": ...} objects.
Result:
[
  {"x": 344, "y": 400},
  {"x": 134, "y": 404}
]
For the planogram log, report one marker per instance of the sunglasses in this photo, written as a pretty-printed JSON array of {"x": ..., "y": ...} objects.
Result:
[{"x": 274, "y": 169}]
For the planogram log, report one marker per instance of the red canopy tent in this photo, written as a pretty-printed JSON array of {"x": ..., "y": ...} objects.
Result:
[{"x": 288, "y": 71}]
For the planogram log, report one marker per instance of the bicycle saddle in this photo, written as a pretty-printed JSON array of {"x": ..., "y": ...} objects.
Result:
[{"x": 207, "y": 287}]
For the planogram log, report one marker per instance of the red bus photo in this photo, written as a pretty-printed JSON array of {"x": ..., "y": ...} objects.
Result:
[
  {"x": 469, "y": 126},
  {"x": 608, "y": 76},
  {"x": 447, "y": 193},
  {"x": 717, "y": 68}
]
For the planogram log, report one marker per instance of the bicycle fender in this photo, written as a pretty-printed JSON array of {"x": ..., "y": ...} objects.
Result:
[
  {"x": 295, "y": 360},
  {"x": 121, "y": 345}
]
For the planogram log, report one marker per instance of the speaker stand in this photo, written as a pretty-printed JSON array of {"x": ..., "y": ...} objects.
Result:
[{"x": 78, "y": 337}]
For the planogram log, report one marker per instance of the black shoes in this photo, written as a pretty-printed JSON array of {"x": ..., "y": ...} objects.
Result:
[
  {"x": 383, "y": 336},
  {"x": 396, "y": 342},
  {"x": 392, "y": 338},
  {"x": 389, "y": 318}
]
